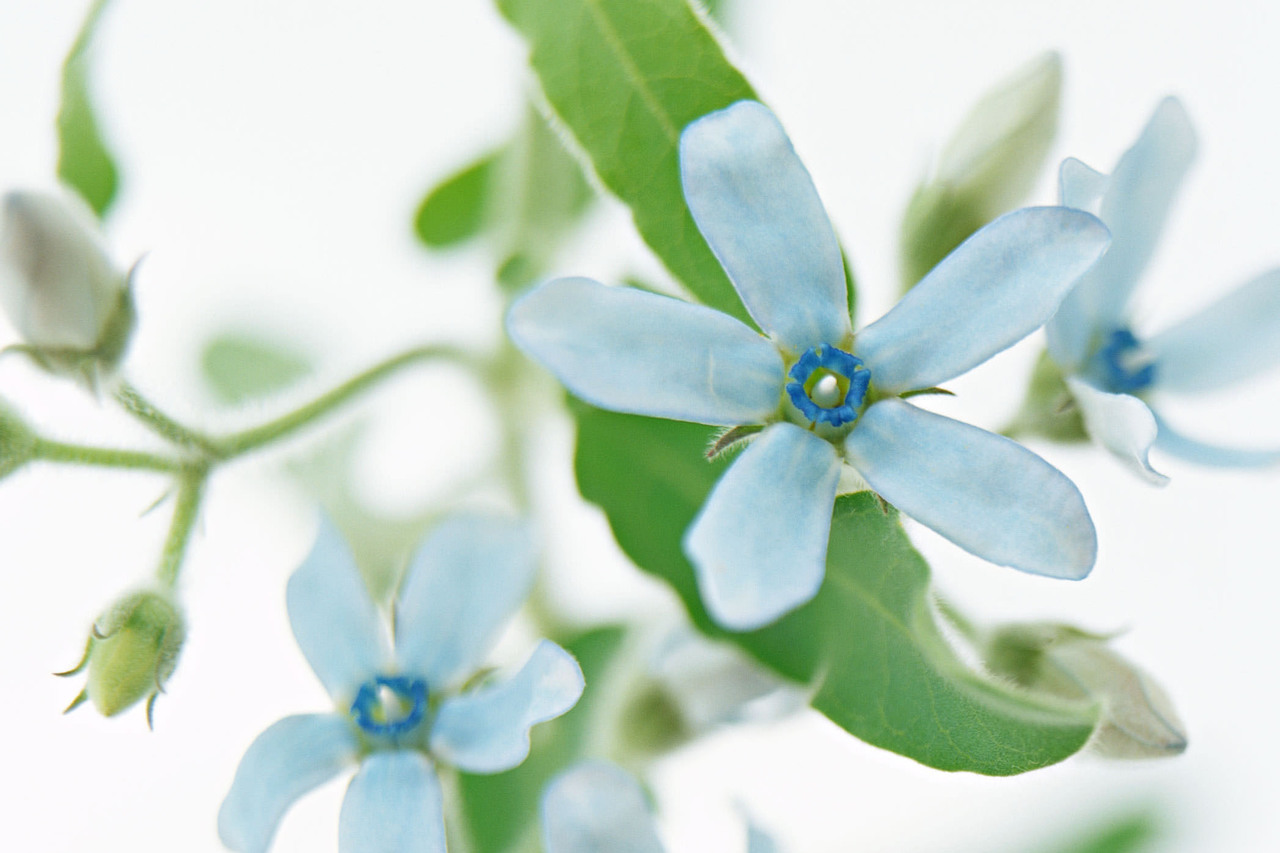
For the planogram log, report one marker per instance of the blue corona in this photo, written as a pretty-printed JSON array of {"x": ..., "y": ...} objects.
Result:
[
  {"x": 369, "y": 710},
  {"x": 1125, "y": 368},
  {"x": 828, "y": 385}
]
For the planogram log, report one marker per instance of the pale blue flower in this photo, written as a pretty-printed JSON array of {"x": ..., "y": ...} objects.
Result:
[
  {"x": 406, "y": 705},
  {"x": 1113, "y": 373},
  {"x": 597, "y": 807},
  {"x": 828, "y": 397}
]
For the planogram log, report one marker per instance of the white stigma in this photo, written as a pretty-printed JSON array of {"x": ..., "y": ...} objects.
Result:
[{"x": 826, "y": 392}]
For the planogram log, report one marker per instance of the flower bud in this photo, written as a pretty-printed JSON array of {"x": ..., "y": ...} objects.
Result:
[
  {"x": 17, "y": 441},
  {"x": 132, "y": 651},
  {"x": 1137, "y": 719},
  {"x": 68, "y": 301}
]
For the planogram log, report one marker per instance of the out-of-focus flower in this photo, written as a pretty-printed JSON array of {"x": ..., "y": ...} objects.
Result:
[
  {"x": 595, "y": 806},
  {"x": 1114, "y": 374},
  {"x": 825, "y": 396},
  {"x": 69, "y": 302},
  {"x": 402, "y": 707}
]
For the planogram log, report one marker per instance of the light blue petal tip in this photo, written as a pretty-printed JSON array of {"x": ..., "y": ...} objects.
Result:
[
  {"x": 487, "y": 730},
  {"x": 1122, "y": 424},
  {"x": 595, "y": 807},
  {"x": 393, "y": 805}
]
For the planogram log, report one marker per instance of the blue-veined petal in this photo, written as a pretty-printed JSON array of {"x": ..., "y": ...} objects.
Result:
[
  {"x": 1173, "y": 442},
  {"x": 1121, "y": 423},
  {"x": 290, "y": 758},
  {"x": 630, "y": 351},
  {"x": 1071, "y": 329},
  {"x": 759, "y": 545},
  {"x": 595, "y": 807},
  {"x": 393, "y": 805},
  {"x": 487, "y": 730},
  {"x": 989, "y": 495},
  {"x": 1232, "y": 340},
  {"x": 756, "y": 205},
  {"x": 1137, "y": 201},
  {"x": 463, "y": 583},
  {"x": 333, "y": 619},
  {"x": 999, "y": 286}
]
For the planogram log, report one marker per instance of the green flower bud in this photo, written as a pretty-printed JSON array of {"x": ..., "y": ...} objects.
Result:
[
  {"x": 986, "y": 169},
  {"x": 17, "y": 441},
  {"x": 1137, "y": 719},
  {"x": 131, "y": 652},
  {"x": 60, "y": 289}
]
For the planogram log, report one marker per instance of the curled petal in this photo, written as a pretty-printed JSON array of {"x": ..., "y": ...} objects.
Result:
[
  {"x": 333, "y": 619},
  {"x": 464, "y": 582},
  {"x": 393, "y": 805},
  {"x": 1174, "y": 443},
  {"x": 1080, "y": 185},
  {"x": 1121, "y": 423},
  {"x": 290, "y": 758},
  {"x": 1234, "y": 339},
  {"x": 630, "y": 351},
  {"x": 987, "y": 494},
  {"x": 487, "y": 730},
  {"x": 999, "y": 286},
  {"x": 756, "y": 205},
  {"x": 595, "y": 806},
  {"x": 1138, "y": 197},
  {"x": 759, "y": 545}
]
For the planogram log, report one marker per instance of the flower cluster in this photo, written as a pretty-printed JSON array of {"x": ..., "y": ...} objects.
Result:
[{"x": 827, "y": 397}]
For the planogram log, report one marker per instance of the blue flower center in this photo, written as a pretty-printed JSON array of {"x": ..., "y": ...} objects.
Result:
[
  {"x": 1125, "y": 367},
  {"x": 828, "y": 385},
  {"x": 390, "y": 706}
]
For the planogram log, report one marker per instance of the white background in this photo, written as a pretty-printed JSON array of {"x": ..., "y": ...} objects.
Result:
[{"x": 273, "y": 152}]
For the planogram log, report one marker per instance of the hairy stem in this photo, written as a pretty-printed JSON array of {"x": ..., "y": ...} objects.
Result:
[
  {"x": 107, "y": 457},
  {"x": 185, "y": 511}
]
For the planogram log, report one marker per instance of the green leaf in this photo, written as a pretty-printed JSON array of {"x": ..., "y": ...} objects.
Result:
[
  {"x": 454, "y": 209},
  {"x": 987, "y": 168},
  {"x": 501, "y": 809},
  {"x": 625, "y": 77},
  {"x": 868, "y": 643},
  {"x": 84, "y": 163},
  {"x": 1048, "y": 410},
  {"x": 240, "y": 367},
  {"x": 1130, "y": 833}
]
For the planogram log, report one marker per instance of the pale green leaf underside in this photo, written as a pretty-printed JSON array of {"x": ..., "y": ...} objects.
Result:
[
  {"x": 868, "y": 642},
  {"x": 84, "y": 163}
]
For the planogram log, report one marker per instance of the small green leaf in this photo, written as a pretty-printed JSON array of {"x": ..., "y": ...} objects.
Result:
[
  {"x": 239, "y": 367},
  {"x": 987, "y": 168},
  {"x": 84, "y": 163},
  {"x": 501, "y": 809},
  {"x": 868, "y": 643},
  {"x": 454, "y": 209},
  {"x": 625, "y": 77},
  {"x": 1130, "y": 833}
]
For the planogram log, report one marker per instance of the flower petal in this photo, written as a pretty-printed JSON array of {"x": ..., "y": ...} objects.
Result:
[
  {"x": 1081, "y": 186},
  {"x": 989, "y": 495},
  {"x": 393, "y": 805},
  {"x": 998, "y": 287},
  {"x": 1232, "y": 340},
  {"x": 1071, "y": 329},
  {"x": 487, "y": 730},
  {"x": 759, "y": 841},
  {"x": 1173, "y": 442},
  {"x": 290, "y": 758},
  {"x": 756, "y": 205},
  {"x": 333, "y": 619},
  {"x": 630, "y": 351},
  {"x": 1121, "y": 423},
  {"x": 593, "y": 807},
  {"x": 759, "y": 545},
  {"x": 1137, "y": 201},
  {"x": 464, "y": 582}
]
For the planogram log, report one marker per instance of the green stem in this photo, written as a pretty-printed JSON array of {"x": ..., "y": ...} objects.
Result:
[
  {"x": 252, "y": 439},
  {"x": 109, "y": 457},
  {"x": 185, "y": 512},
  {"x": 161, "y": 424}
]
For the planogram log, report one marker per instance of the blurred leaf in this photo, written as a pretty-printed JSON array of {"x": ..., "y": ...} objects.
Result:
[
  {"x": 868, "y": 643},
  {"x": 1048, "y": 410},
  {"x": 454, "y": 209},
  {"x": 987, "y": 168},
  {"x": 502, "y": 809},
  {"x": 1131, "y": 833},
  {"x": 84, "y": 163},
  {"x": 240, "y": 367},
  {"x": 625, "y": 77}
]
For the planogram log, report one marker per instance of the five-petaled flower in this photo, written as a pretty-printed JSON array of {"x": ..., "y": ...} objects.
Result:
[
  {"x": 401, "y": 710},
  {"x": 1111, "y": 372},
  {"x": 595, "y": 806},
  {"x": 827, "y": 396}
]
